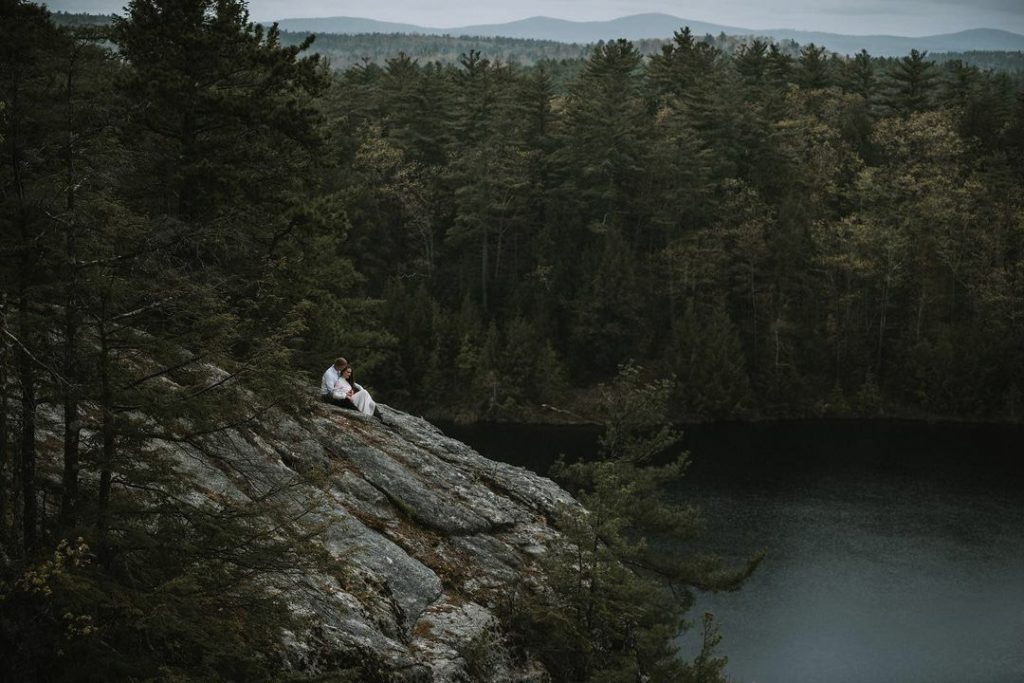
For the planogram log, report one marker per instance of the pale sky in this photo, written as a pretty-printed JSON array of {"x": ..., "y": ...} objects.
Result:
[{"x": 897, "y": 17}]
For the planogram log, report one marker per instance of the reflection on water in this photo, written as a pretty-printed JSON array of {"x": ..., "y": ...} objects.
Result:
[{"x": 895, "y": 550}]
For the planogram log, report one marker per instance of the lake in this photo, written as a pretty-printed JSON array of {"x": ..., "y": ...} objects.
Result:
[{"x": 895, "y": 550}]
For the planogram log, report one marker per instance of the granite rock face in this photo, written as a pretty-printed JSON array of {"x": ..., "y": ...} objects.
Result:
[{"x": 428, "y": 535}]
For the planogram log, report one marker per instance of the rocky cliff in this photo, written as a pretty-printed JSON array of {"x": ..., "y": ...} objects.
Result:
[{"x": 428, "y": 537}]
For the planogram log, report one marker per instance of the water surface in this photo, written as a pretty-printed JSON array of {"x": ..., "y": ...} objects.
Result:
[{"x": 895, "y": 550}]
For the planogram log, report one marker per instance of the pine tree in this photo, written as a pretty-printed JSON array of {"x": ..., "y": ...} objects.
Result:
[
  {"x": 606, "y": 131},
  {"x": 412, "y": 105},
  {"x": 780, "y": 67},
  {"x": 858, "y": 75},
  {"x": 680, "y": 67},
  {"x": 911, "y": 84},
  {"x": 752, "y": 62},
  {"x": 143, "y": 302},
  {"x": 709, "y": 361},
  {"x": 814, "y": 68},
  {"x": 490, "y": 171},
  {"x": 622, "y": 577},
  {"x": 30, "y": 188}
]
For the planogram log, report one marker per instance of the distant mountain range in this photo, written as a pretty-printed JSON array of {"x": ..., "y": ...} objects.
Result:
[{"x": 639, "y": 26}]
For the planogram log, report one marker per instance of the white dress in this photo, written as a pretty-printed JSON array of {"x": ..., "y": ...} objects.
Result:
[{"x": 360, "y": 397}]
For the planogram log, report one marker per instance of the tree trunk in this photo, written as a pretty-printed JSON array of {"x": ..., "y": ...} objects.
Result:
[
  {"x": 27, "y": 451},
  {"x": 107, "y": 430},
  {"x": 753, "y": 315},
  {"x": 672, "y": 312},
  {"x": 4, "y": 452},
  {"x": 24, "y": 485},
  {"x": 483, "y": 272},
  {"x": 922, "y": 300},
  {"x": 881, "y": 326},
  {"x": 187, "y": 188},
  {"x": 72, "y": 426}
]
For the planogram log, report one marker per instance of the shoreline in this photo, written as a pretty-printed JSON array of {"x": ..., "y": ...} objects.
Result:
[{"x": 535, "y": 418}]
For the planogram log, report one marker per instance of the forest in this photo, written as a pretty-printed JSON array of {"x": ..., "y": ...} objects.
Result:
[
  {"x": 783, "y": 235},
  {"x": 195, "y": 218},
  {"x": 786, "y": 232}
]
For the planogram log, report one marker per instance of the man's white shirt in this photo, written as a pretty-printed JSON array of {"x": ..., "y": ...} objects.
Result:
[{"x": 329, "y": 380}]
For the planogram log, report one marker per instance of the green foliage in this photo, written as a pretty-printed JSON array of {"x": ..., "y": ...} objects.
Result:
[
  {"x": 163, "y": 231},
  {"x": 184, "y": 600},
  {"x": 708, "y": 359},
  {"x": 620, "y": 581},
  {"x": 351, "y": 50},
  {"x": 532, "y": 370},
  {"x": 679, "y": 67},
  {"x": 911, "y": 84},
  {"x": 814, "y": 68},
  {"x": 744, "y": 214}
]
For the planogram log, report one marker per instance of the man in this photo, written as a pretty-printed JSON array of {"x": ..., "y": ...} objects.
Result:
[{"x": 330, "y": 378}]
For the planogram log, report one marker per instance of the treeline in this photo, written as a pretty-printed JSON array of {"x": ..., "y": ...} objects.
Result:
[
  {"x": 347, "y": 50},
  {"x": 80, "y": 19},
  {"x": 783, "y": 235},
  {"x": 344, "y": 50},
  {"x": 1011, "y": 63}
]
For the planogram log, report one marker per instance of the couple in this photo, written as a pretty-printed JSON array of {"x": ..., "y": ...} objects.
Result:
[{"x": 337, "y": 388}]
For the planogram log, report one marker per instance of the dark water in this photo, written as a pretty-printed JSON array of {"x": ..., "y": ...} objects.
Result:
[{"x": 895, "y": 550}]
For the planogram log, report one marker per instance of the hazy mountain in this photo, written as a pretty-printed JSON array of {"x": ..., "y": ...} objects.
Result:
[
  {"x": 639, "y": 26},
  {"x": 538, "y": 28},
  {"x": 633, "y": 27},
  {"x": 353, "y": 25},
  {"x": 980, "y": 39}
]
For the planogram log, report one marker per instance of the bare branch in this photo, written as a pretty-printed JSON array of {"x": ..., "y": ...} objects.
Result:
[
  {"x": 162, "y": 371},
  {"x": 56, "y": 375}
]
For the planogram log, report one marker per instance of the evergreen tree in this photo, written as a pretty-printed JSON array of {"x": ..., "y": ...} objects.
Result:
[
  {"x": 607, "y": 321},
  {"x": 912, "y": 81},
  {"x": 622, "y": 579},
  {"x": 679, "y": 66},
  {"x": 859, "y": 75},
  {"x": 814, "y": 68},
  {"x": 142, "y": 301},
  {"x": 708, "y": 360},
  {"x": 33, "y": 190},
  {"x": 780, "y": 67},
  {"x": 490, "y": 173},
  {"x": 412, "y": 105},
  {"x": 606, "y": 131},
  {"x": 752, "y": 62}
]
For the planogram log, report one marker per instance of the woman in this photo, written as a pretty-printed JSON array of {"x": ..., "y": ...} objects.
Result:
[{"x": 347, "y": 390}]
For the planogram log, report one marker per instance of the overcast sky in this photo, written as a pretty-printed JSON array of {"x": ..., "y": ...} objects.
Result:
[{"x": 898, "y": 17}]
